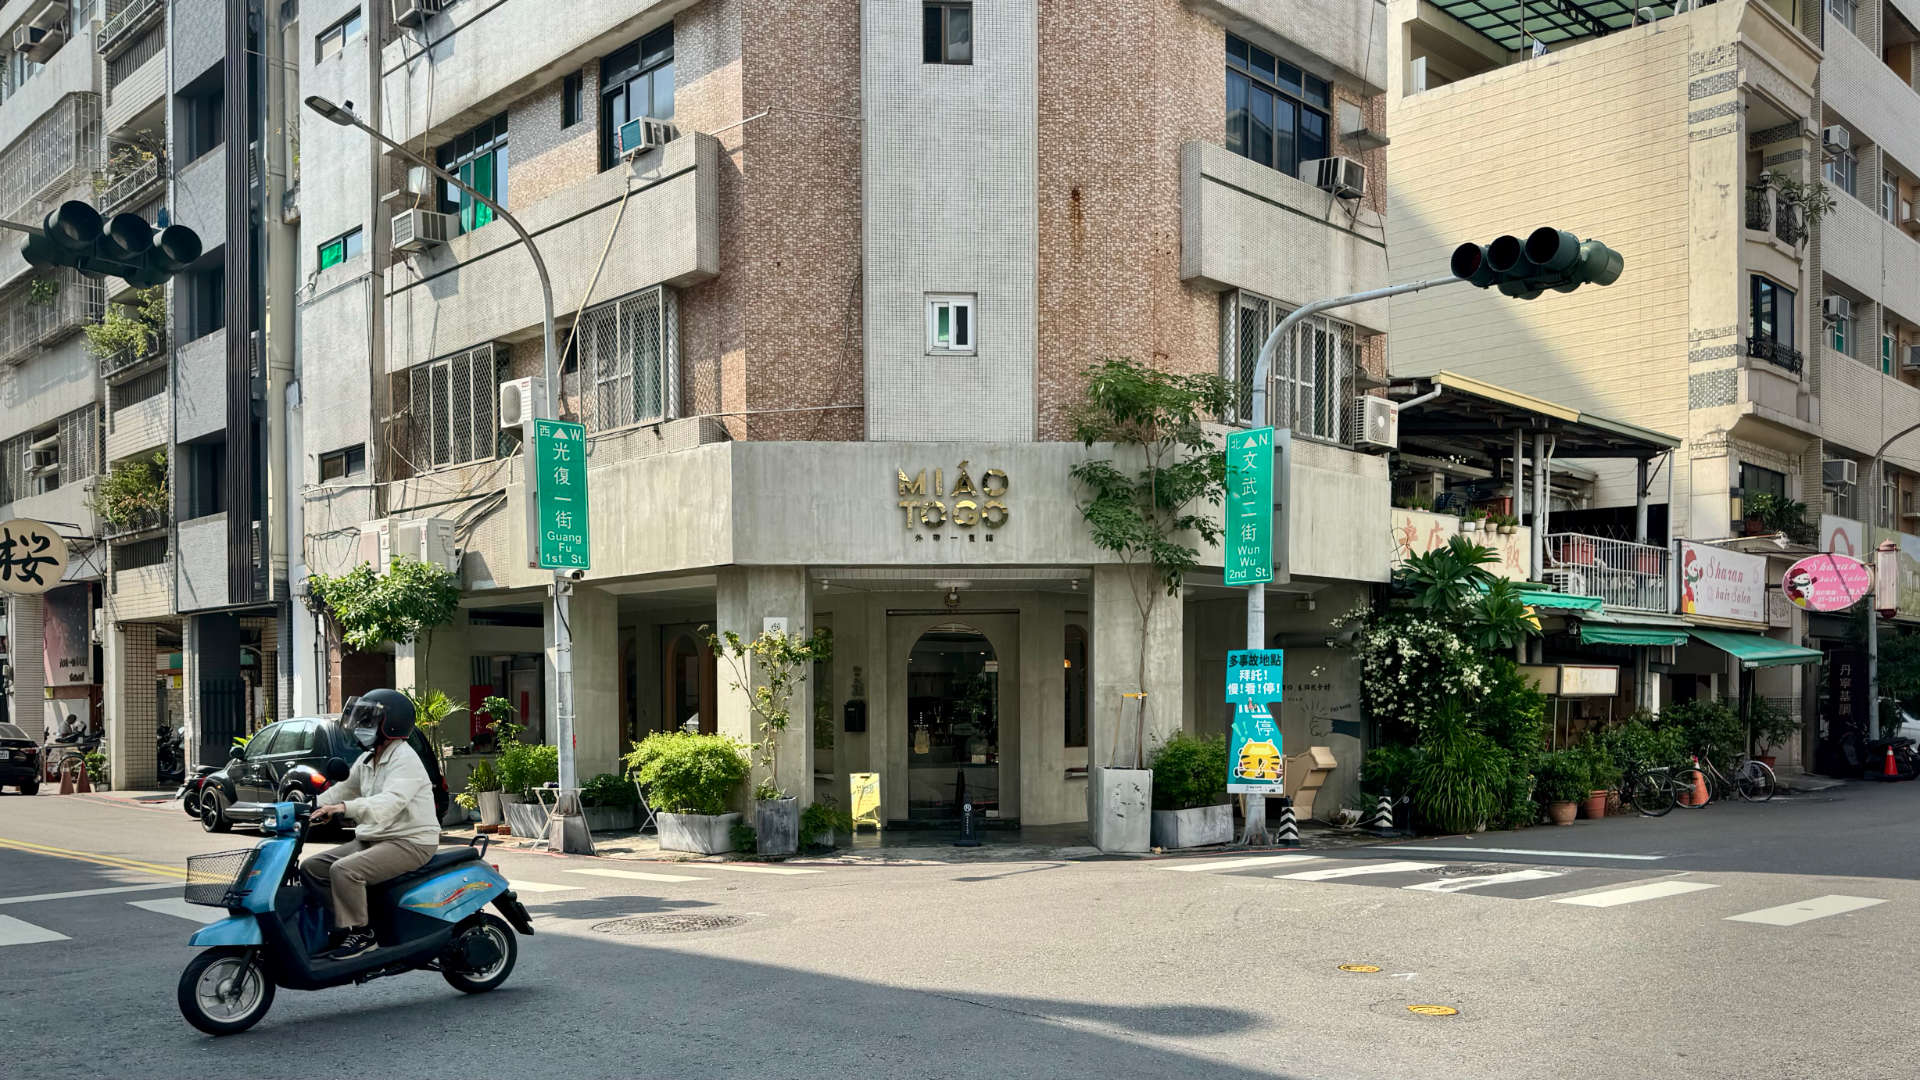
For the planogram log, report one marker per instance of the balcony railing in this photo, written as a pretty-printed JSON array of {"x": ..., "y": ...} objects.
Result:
[
  {"x": 1760, "y": 207},
  {"x": 1788, "y": 224},
  {"x": 1777, "y": 353},
  {"x": 126, "y": 360},
  {"x": 133, "y": 525},
  {"x": 144, "y": 177},
  {"x": 124, "y": 21},
  {"x": 1621, "y": 573}
]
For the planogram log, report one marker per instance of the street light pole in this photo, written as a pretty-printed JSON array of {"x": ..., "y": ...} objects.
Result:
[{"x": 562, "y": 588}]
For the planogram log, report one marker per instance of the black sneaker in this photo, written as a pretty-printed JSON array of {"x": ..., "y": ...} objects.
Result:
[{"x": 352, "y": 944}]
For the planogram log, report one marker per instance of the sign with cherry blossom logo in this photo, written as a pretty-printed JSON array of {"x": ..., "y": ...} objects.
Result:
[{"x": 1826, "y": 582}]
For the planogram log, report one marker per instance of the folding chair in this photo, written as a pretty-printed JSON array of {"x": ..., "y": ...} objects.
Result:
[{"x": 646, "y": 809}]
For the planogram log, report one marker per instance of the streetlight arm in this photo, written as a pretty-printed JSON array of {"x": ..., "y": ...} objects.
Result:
[{"x": 1264, "y": 363}]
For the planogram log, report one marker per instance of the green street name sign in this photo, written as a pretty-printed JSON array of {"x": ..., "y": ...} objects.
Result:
[
  {"x": 1249, "y": 512},
  {"x": 560, "y": 483}
]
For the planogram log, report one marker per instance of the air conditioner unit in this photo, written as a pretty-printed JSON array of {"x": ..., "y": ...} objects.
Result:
[
  {"x": 37, "y": 43},
  {"x": 639, "y": 136},
  {"x": 412, "y": 13},
  {"x": 1910, "y": 358},
  {"x": 1566, "y": 582},
  {"x": 431, "y": 541},
  {"x": 1836, "y": 139},
  {"x": 1376, "y": 423},
  {"x": 521, "y": 401},
  {"x": 1839, "y": 472},
  {"x": 1343, "y": 176},
  {"x": 418, "y": 230},
  {"x": 1836, "y": 308}
]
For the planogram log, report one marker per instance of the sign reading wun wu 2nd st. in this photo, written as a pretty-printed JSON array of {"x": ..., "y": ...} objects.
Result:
[
  {"x": 560, "y": 485},
  {"x": 1247, "y": 556}
]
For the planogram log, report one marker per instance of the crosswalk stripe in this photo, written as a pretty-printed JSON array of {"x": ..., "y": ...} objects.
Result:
[
  {"x": 1633, "y": 894},
  {"x": 1242, "y": 863},
  {"x": 1461, "y": 884},
  {"x": 1806, "y": 910},
  {"x": 77, "y": 893},
  {"x": 180, "y": 909},
  {"x": 1362, "y": 870},
  {"x": 635, "y": 875},
  {"x": 20, "y": 932},
  {"x": 542, "y": 887},
  {"x": 741, "y": 868}
]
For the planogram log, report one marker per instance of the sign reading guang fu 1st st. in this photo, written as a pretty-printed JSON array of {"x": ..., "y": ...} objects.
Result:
[
  {"x": 560, "y": 471},
  {"x": 32, "y": 557}
]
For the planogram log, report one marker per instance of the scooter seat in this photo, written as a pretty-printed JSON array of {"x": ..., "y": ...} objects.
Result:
[{"x": 441, "y": 861}]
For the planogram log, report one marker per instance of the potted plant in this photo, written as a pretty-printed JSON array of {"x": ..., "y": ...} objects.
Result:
[
  {"x": 1190, "y": 804},
  {"x": 823, "y": 822},
  {"x": 484, "y": 785},
  {"x": 1563, "y": 778},
  {"x": 524, "y": 767},
  {"x": 1772, "y": 727},
  {"x": 782, "y": 661},
  {"x": 606, "y": 801},
  {"x": 1603, "y": 776},
  {"x": 692, "y": 781}
]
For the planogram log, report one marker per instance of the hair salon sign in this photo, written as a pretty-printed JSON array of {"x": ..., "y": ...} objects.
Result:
[{"x": 1722, "y": 584}]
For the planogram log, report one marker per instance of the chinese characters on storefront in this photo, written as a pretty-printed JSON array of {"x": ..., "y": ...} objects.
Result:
[{"x": 32, "y": 557}]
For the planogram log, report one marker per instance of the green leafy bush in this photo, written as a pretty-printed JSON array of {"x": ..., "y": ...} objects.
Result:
[
  {"x": 608, "y": 789},
  {"x": 1563, "y": 776},
  {"x": 1604, "y": 772},
  {"x": 744, "y": 837},
  {"x": 1460, "y": 777},
  {"x": 1388, "y": 770},
  {"x": 1190, "y": 771},
  {"x": 524, "y": 767},
  {"x": 132, "y": 491},
  {"x": 1637, "y": 743},
  {"x": 822, "y": 820},
  {"x": 1772, "y": 725},
  {"x": 1708, "y": 729},
  {"x": 689, "y": 774}
]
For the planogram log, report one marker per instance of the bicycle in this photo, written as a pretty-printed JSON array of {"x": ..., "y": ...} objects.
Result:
[
  {"x": 1749, "y": 778},
  {"x": 1650, "y": 791}
]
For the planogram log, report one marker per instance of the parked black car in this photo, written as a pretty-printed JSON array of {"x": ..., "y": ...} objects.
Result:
[
  {"x": 19, "y": 760},
  {"x": 287, "y": 762}
]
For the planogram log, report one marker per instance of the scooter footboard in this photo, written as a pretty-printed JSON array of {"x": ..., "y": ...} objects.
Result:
[{"x": 233, "y": 930}]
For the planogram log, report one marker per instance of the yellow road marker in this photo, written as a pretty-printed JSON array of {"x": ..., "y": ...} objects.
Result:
[
  {"x": 1359, "y": 969},
  {"x": 1433, "y": 1010},
  {"x": 113, "y": 861}
]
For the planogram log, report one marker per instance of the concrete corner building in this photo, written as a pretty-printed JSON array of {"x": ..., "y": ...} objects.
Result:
[{"x": 827, "y": 277}]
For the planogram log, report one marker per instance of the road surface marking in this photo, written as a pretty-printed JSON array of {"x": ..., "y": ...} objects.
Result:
[
  {"x": 1357, "y": 871},
  {"x": 15, "y": 932},
  {"x": 739, "y": 868},
  {"x": 1462, "y": 883},
  {"x": 114, "y": 861},
  {"x": 635, "y": 875},
  {"x": 76, "y": 894},
  {"x": 1633, "y": 894},
  {"x": 1359, "y": 969},
  {"x": 180, "y": 909},
  {"x": 1531, "y": 851},
  {"x": 1236, "y": 864},
  {"x": 1433, "y": 1010},
  {"x": 540, "y": 886},
  {"x": 1806, "y": 910}
]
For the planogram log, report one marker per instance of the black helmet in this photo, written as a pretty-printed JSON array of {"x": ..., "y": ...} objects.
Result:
[{"x": 378, "y": 714}]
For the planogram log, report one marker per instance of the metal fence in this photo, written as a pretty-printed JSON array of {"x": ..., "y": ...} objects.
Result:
[
  {"x": 54, "y": 153},
  {"x": 1621, "y": 573},
  {"x": 628, "y": 363},
  {"x": 47, "y": 306},
  {"x": 449, "y": 417},
  {"x": 1312, "y": 381}
]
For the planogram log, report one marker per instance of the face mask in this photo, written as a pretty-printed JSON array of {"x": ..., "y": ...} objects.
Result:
[{"x": 367, "y": 737}]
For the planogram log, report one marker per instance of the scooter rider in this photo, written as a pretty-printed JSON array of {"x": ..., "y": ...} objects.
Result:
[{"x": 390, "y": 800}]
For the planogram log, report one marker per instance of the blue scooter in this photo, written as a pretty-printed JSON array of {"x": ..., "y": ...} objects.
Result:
[{"x": 432, "y": 918}]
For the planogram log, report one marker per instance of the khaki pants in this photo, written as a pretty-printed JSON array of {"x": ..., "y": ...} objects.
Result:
[{"x": 343, "y": 874}]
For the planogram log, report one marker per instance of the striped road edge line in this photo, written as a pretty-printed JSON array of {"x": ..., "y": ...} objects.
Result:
[
  {"x": 1633, "y": 894},
  {"x": 1806, "y": 910},
  {"x": 114, "y": 861},
  {"x": 20, "y": 932},
  {"x": 1245, "y": 862}
]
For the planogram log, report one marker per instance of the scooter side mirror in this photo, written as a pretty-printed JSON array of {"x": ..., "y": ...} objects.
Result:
[
  {"x": 236, "y": 753},
  {"x": 338, "y": 770}
]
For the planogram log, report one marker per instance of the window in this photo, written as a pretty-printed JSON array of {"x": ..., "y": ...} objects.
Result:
[
  {"x": 1843, "y": 172},
  {"x": 342, "y": 463},
  {"x": 479, "y": 159},
  {"x": 628, "y": 367},
  {"x": 950, "y": 325},
  {"x": 340, "y": 248},
  {"x": 1889, "y": 497},
  {"x": 206, "y": 478},
  {"x": 635, "y": 82},
  {"x": 1887, "y": 349},
  {"x": 1772, "y": 312},
  {"x": 205, "y": 117},
  {"x": 1890, "y": 197},
  {"x": 1076, "y": 669},
  {"x": 1845, "y": 11},
  {"x": 209, "y": 294},
  {"x": 572, "y": 99},
  {"x": 334, "y": 38},
  {"x": 450, "y": 415},
  {"x": 947, "y": 34},
  {"x": 1840, "y": 315},
  {"x": 1755, "y": 480},
  {"x": 1313, "y": 374},
  {"x": 263, "y": 741},
  {"x": 1276, "y": 113}
]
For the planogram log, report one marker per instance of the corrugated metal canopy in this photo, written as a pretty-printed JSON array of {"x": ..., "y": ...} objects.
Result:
[
  {"x": 1508, "y": 23},
  {"x": 1477, "y": 415}
]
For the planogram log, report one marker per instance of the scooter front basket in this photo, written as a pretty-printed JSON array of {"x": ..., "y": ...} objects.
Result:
[{"x": 219, "y": 879}]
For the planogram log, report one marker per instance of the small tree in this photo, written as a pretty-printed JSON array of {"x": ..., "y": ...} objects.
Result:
[
  {"x": 404, "y": 605},
  {"x": 1145, "y": 515},
  {"x": 785, "y": 661}
]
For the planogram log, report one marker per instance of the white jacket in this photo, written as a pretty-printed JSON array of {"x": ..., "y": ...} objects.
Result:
[{"x": 392, "y": 800}]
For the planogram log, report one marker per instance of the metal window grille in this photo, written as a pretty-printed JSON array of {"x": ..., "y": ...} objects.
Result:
[
  {"x": 450, "y": 410},
  {"x": 53, "y": 154},
  {"x": 144, "y": 48},
  {"x": 13, "y": 468},
  {"x": 628, "y": 371},
  {"x": 80, "y": 448},
  {"x": 1313, "y": 375},
  {"x": 27, "y": 321}
]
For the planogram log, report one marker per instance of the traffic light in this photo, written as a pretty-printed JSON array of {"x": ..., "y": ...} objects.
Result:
[
  {"x": 1547, "y": 259},
  {"x": 123, "y": 246}
]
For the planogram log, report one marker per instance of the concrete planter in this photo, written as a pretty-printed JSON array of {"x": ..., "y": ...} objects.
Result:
[
  {"x": 776, "y": 825},
  {"x": 703, "y": 834},
  {"x": 490, "y": 812},
  {"x": 1119, "y": 808},
  {"x": 527, "y": 819},
  {"x": 608, "y": 818},
  {"x": 1198, "y": 826}
]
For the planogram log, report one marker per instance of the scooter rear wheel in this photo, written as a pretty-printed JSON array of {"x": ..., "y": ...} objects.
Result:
[
  {"x": 499, "y": 935},
  {"x": 225, "y": 990}
]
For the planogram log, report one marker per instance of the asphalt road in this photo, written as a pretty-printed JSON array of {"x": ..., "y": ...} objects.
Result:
[{"x": 1207, "y": 966}]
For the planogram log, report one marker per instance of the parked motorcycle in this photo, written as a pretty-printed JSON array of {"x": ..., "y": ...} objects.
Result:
[
  {"x": 432, "y": 919},
  {"x": 188, "y": 793},
  {"x": 168, "y": 754}
]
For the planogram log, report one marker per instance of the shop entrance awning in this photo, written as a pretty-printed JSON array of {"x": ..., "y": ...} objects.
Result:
[
  {"x": 1624, "y": 628},
  {"x": 1558, "y": 601},
  {"x": 1755, "y": 651}
]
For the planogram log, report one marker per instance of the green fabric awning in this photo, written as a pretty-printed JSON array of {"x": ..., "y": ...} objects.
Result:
[
  {"x": 1599, "y": 633},
  {"x": 1755, "y": 651},
  {"x": 1543, "y": 598}
]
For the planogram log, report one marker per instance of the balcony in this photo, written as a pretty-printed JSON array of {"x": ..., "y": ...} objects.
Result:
[
  {"x": 137, "y": 427},
  {"x": 152, "y": 521},
  {"x": 142, "y": 592},
  {"x": 1777, "y": 353},
  {"x": 53, "y": 304},
  {"x": 1623, "y": 574},
  {"x": 123, "y": 22},
  {"x": 1759, "y": 207},
  {"x": 127, "y": 361},
  {"x": 132, "y": 187}
]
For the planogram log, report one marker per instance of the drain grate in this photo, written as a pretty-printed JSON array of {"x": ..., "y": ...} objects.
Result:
[
  {"x": 669, "y": 924},
  {"x": 1466, "y": 869}
]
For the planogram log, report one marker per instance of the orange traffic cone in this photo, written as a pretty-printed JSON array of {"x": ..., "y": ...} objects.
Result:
[
  {"x": 82, "y": 783},
  {"x": 66, "y": 781},
  {"x": 1698, "y": 796},
  {"x": 1890, "y": 770}
]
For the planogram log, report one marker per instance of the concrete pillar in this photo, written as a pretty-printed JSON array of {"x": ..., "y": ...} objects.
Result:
[
  {"x": 594, "y": 618},
  {"x": 886, "y": 719},
  {"x": 1030, "y": 788},
  {"x": 747, "y": 597},
  {"x": 132, "y": 707},
  {"x": 449, "y": 666},
  {"x": 1115, "y": 720}
]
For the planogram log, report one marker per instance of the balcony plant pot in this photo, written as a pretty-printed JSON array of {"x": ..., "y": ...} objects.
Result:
[
  {"x": 1469, "y": 526},
  {"x": 1562, "y": 813},
  {"x": 490, "y": 812},
  {"x": 702, "y": 834},
  {"x": 1594, "y": 805},
  {"x": 1119, "y": 808},
  {"x": 1508, "y": 530},
  {"x": 776, "y": 825},
  {"x": 1199, "y": 826}
]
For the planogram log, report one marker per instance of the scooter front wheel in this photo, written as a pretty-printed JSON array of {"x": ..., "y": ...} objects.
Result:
[
  {"x": 225, "y": 990},
  {"x": 481, "y": 954}
]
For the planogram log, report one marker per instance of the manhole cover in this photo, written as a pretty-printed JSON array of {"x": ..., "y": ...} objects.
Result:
[
  {"x": 669, "y": 924},
  {"x": 1465, "y": 869}
]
